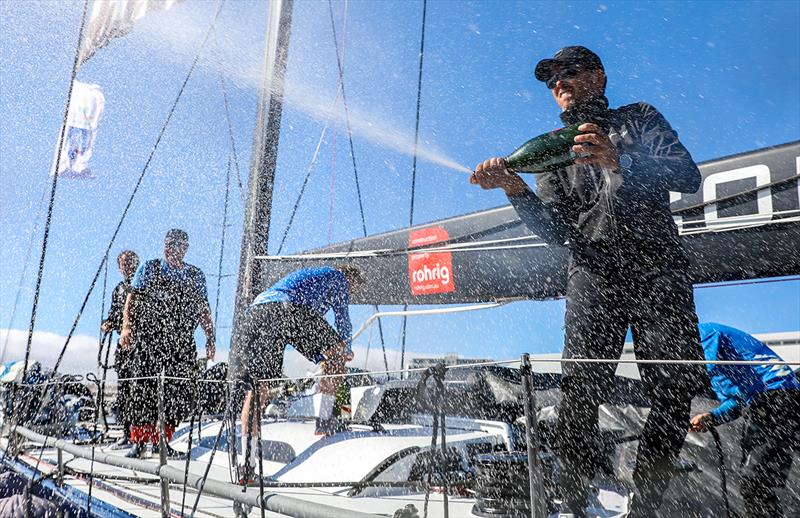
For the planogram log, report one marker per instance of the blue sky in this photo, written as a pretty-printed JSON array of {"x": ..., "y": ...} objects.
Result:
[{"x": 725, "y": 74}]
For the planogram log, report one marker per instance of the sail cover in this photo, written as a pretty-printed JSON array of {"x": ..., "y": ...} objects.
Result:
[{"x": 743, "y": 223}]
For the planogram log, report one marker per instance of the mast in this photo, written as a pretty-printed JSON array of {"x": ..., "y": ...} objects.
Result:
[{"x": 255, "y": 234}]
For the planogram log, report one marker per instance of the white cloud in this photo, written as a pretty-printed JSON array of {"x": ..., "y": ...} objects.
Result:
[{"x": 80, "y": 357}]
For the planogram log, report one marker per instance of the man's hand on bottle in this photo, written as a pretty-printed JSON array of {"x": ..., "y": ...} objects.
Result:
[
  {"x": 493, "y": 174},
  {"x": 602, "y": 152}
]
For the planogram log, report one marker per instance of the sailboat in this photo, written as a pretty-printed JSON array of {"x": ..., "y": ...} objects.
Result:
[{"x": 412, "y": 451}]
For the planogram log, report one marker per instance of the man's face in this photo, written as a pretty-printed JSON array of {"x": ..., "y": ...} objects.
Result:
[
  {"x": 127, "y": 266},
  {"x": 571, "y": 87},
  {"x": 175, "y": 251}
]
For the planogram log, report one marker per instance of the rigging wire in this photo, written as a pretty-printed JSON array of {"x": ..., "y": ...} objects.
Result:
[
  {"x": 331, "y": 190},
  {"x": 102, "y": 315},
  {"x": 60, "y": 358},
  {"x": 736, "y": 195},
  {"x": 309, "y": 169},
  {"x": 139, "y": 181},
  {"x": 21, "y": 283},
  {"x": 222, "y": 239},
  {"x": 53, "y": 186},
  {"x": 48, "y": 220},
  {"x": 225, "y": 103},
  {"x": 414, "y": 160},
  {"x": 340, "y": 67}
]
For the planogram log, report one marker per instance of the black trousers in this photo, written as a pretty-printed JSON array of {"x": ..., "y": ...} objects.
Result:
[
  {"x": 659, "y": 308},
  {"x": 150, "y": 354},
  {"x": 771, "y": 434},
  {"x": 122, "y": 362}
]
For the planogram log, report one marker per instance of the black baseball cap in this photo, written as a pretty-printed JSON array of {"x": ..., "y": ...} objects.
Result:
[{"x": 575, "y": 55}]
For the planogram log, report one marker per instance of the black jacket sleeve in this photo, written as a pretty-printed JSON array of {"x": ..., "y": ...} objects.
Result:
[
  {"x": 659, "y": 152},
  {"x": 543, "y": 220},
  {"x": 118, "y": 298}
]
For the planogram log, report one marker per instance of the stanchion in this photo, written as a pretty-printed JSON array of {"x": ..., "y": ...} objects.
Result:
[
  {"x": 532, "y": 441},
  {"x": 60, "y": 469},
  {"x": 162, "y": 447}
]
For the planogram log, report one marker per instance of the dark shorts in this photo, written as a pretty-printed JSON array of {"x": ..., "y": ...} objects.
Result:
[{"x": 268, "y": 329}]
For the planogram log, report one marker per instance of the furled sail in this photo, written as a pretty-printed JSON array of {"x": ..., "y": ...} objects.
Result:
[{"x": 743, "y": 223}]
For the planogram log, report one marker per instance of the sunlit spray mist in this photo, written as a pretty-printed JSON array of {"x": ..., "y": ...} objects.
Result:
[
  {"x": 227, "y": 56},
  {"x": 370, "y": 128}
]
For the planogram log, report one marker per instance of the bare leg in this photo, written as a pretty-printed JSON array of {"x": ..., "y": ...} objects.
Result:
[
  {"x": 333, "y": 364},
  {"x": 263, "y": 396}
]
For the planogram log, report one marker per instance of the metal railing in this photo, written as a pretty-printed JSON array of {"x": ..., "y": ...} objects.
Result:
[{"x": 271, "y": 501}]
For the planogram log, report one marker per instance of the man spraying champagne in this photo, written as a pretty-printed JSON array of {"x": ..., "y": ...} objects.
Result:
[{"x": 610, "y": 207}]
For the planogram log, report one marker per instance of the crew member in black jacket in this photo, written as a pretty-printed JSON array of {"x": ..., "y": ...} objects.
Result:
[
  {"x": 127, "y": 262},
  {"x": 627, "y": 269}
]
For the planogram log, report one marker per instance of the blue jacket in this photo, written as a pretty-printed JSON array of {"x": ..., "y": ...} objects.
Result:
[
  {"x": 319, "y": 289},
  {"x": 737, "y": 385}
]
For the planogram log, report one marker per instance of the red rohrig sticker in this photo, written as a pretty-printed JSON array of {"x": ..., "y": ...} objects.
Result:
[{"x": 430, "y": 272}]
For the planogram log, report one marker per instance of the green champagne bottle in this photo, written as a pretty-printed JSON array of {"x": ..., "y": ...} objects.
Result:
[{"x": 546, "y": 152}]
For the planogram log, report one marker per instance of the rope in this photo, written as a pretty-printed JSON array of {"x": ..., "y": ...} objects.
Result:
[
  {"x": 340, "y": 67},
  {"x": 103, "y": 299},
  {"x": 257, "y": 398},
  {"x": 99, "y": 401},
  {"x": 723, "y": 477},
  {"x": 231, "y": 437},
  {"x": 432, "y": 399},
  {"x": 105, "y": 374},
  {"x": 196, "y": 416},
  {"x": 121, "y": 220}
]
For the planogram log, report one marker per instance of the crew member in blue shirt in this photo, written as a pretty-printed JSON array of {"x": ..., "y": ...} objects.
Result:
[
  {"x": 167, "y": 302},
  {"x": 292, "y": 312},
  {"x": 769, "y": 397}
]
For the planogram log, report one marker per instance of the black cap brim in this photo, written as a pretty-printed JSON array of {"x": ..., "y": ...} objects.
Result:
[{"x": 544, "y": 69}]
